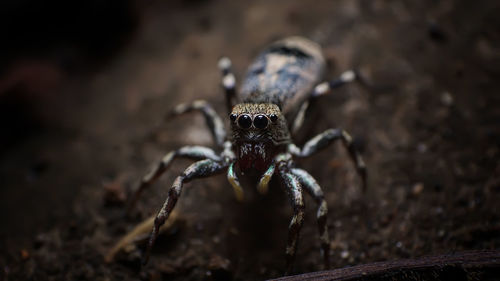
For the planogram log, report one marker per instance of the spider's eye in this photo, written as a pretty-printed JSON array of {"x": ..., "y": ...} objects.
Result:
[
  {"x": 260, "y": 121},
  {"x": 273, "y": 117},
  {"x": 232, "y": 117},
  {"x": 245, "y": 121}
]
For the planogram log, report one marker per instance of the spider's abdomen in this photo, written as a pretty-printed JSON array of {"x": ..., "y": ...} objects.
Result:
[{"x": 284, "y": 74}]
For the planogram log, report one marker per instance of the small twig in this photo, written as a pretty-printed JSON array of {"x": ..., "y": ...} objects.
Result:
[
  {"x": 468, "y": 265},
  {"x": 141, "y": 229}
]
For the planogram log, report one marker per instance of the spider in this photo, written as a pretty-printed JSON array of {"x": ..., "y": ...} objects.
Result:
[{"x": 267, "y": 110}]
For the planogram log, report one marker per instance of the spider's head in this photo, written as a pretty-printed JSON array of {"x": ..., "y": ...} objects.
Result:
[{"x": 259, "y": 131}]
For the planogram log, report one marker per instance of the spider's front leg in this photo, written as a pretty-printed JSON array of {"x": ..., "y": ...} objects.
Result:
[
  {"x": 213, "y": 120},
  {"x": 200, "y": 169},
  {"x": 313, "y": 188},
  {"x": 189, "y": 152},
  {"x": 216, "y": 127},
  {"x": 326, "y": 138},
  {"x": 294, "y": 190}
]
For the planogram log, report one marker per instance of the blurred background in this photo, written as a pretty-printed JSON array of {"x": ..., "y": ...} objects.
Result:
[{"x": 85, "y": 86}]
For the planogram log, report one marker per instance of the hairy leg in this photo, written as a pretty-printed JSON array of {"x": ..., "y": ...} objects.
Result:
[
  {"x": 326, "y": 87},
  {"x": 228, "y": 82},
  {"x": 299, "y": 119},
  {"x": 320, "y": 90},
  {"x": 313, "y": 188},
  {"x": 190, "y": 152},
  {"x": 326, "y": 138},
  {"x": 200, "y": 169},
  {"x": 214, "y": 122},
  {"x": 294, "y": 191}
]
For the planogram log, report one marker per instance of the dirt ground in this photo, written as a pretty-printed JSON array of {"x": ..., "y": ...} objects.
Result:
[{"x": 87, "y": 123}]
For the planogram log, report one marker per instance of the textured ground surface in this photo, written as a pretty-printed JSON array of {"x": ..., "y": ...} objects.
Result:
[{"x": 427, "y": 126}]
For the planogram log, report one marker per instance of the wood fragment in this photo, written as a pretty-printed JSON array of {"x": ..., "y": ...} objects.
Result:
[
  {"x": 141, "y": 229},
  {"x": 468, "y": 265}
]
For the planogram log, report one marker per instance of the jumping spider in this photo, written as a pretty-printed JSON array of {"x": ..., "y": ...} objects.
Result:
[{"x": 267, "y": 110}]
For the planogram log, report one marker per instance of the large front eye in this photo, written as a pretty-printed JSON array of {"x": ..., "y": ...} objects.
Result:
[
  {"x": 245, "y": 121},
  {"x": 260, "y": 121}
]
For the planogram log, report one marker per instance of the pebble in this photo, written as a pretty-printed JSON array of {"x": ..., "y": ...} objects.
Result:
[
  {"x": 337, "y": 224},
  {"x": 344, "y": 254},
  {"x": 216, "y": 239},
  {"x": 447, "y": 99},
  {"x": 422, "y": 147},
  {"x": 417, "y": 188},
  {"x": 25, "y": 254}
]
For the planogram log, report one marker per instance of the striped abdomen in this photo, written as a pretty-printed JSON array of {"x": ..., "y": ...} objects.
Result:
[{"x": 284, "y": 74}]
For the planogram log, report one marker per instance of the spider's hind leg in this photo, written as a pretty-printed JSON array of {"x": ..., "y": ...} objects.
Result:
[
  {"x": 344, "y": 78},
  {"x": 321, "y": 89}
]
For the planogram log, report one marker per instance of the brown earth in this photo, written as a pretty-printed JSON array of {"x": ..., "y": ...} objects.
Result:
[{"x": 78, "y": 137}]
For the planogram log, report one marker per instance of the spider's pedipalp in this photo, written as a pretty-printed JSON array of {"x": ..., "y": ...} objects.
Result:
[
  {"x": 263, "y": 185},
  {"x": 235, "y": 183}
]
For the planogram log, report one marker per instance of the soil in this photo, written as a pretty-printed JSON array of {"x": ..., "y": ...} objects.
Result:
[{"x": 82, "y": 126}]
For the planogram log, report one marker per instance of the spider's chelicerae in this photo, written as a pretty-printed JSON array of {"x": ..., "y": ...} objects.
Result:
[{"x": 264, "y": 113}]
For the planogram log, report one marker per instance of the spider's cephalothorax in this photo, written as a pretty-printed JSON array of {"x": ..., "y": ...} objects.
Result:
[
  {"x": 263, "y": 115},
  {"x": 259, "y": 132}
]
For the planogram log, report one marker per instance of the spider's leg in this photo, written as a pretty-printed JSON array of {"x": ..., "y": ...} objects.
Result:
[
  {"x": 294, "y": 190},
  {"x": 323, "y": 89},
  {"x": 344, "y": 78},
  {"x": 200, "y": 169},
  {"x": 299, "y": 119},
  {"x": 214, "y": 122},
  {"x": 313, "y": 188},
  {"x": 228, "y": 82},
  {"x": 190, "y": 152},
  {"x": 326, "y": 138}
]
